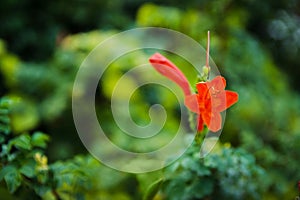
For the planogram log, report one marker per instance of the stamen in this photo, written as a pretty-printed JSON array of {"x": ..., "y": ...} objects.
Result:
[{"x": 207, "y": 49}]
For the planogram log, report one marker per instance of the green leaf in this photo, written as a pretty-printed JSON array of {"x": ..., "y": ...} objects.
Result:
[
  {"x": 153, "y": 189},
  {"x": 200, "y": 188},
  {"x": 13, "y": 181},
  {"x": 11, "y": 157},
  {"x": 43, "y": 191},
  {"x": 4, "y": 111},
  {"x": 4, "y": 123},
  {"x": 175, "y": 189},
  {"x": 4, "y": 119},
  {"x": 28, "y": 169},
  {"x": 5, "y": 150},
  {"x": 39, "y": 140},
  {"x": 6, "y": 170},
  {"x": 21, "y": 142},
  {"x": 5, "y": 129},
  {"x": 2, "y": 139},
  {"x": 4, "y": 102},
  {"x": 48, "y": 195},
  {"x": 195, "y": 165},
  {"x": 12, "y": 178}
]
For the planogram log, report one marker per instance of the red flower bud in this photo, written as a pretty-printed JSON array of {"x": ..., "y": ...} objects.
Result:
[{"x": 168, "y": 69}]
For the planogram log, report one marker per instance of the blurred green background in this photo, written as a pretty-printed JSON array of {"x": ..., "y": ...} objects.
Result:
[{"x": 255, "y": 44}]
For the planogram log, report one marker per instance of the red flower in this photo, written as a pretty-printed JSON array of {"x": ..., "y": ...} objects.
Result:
[
  {"x": 211, "y": 100},
  {"x": 208, "y": 103}
]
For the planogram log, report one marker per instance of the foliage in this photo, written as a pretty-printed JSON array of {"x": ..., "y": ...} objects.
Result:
[
  {"x": 256, "y": 124},
  {"x": 228, "y": 173},
  {"x": 273, "y": 22},
  {"x": 25, "y": 169},
  {"x": 21, "y": 27},
  {"x": 19, "y": 163},
  {"x": 4, "y": 119}
]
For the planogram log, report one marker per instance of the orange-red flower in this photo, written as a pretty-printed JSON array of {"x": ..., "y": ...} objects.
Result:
[
  {"x": 211, "y": 100},
  {"x": 208, "y": 103}
]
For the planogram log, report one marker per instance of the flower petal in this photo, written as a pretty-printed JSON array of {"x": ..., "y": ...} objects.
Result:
[
  {"x": 213, "y": 120},
  {"x": 224, "y": 100},
  {"x": 202, "y": 89},
  {"x": 169, "y": 70},
  {"x": 191, "y": 102},
  {"x": 219, "y": 83},
  {"x": 219, "y": 101},
  {"x": 231, "y": 98}
]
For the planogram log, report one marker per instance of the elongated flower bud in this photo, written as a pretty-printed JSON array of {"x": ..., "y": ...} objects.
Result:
[{"x": 169, "y": 70}]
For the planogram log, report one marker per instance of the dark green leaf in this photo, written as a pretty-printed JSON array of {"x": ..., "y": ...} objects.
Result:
[
  {"x": 12, "y": 178},
  {"x": 6, "y": 170},
  {"x": 39, "y": 139},
  {"x": 4, "y": 111},
  {"x": 42, "y": 190},
  {"x": 4, "y": 102},
  {"x": 200, "y": 188},
  {"x": 175, "y": 189},
  {"x": 4, "y": 129},
  {"x": 5, "y": 150},
  {"x": 21, "y": 142},
  {"x": 4, "y": 119},
  {"x": 12, "y": 156},
  {"x": 2, "y": 139},
  {"x": 195, "y": 164},
  {"x": 28, "y": 169}
]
